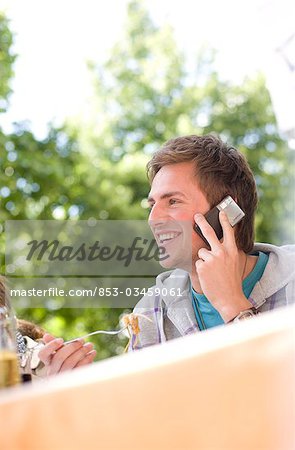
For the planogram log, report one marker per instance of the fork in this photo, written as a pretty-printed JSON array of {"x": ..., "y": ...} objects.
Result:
[{"x": 112, "y": 333}]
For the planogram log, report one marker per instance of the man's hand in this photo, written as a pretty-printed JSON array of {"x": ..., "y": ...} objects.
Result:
[
  {"x": 58, "y": 357},
  {"x": 219, "y": 269}
]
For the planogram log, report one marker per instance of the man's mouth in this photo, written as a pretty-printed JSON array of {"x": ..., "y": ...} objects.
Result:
[{"x": 167, "y": 236}]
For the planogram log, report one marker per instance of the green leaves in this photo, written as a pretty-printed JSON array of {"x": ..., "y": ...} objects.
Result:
[
  {"x": 7, "y": 59},
  {"x": 94, "y": 166}
]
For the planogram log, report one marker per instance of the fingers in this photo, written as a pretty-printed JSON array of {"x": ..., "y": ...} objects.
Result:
[
  {"x": 88, "y": 359},
  {"x": 207, "y": 231},
  {"x": 204, "y": 254},
  {"x": 79, "y": 355},
  {"x": 60, "y": 356},
  {"x": 199, "y": 265},
  {"x": 46, "y": 353},
  {"x": 228, "y": 231}
]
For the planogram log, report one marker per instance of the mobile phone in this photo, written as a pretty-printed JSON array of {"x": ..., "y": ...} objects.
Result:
[{"x": 231, "y": 209}]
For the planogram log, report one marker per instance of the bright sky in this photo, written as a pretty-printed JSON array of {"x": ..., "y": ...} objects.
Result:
[{"x": 54, "y": 38}]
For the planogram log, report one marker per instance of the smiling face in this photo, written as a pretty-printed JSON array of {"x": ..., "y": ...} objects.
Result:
[{"x": 174, "y": 199}]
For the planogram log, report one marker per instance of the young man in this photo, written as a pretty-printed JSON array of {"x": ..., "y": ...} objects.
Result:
[{"x": 223, "y": 282}]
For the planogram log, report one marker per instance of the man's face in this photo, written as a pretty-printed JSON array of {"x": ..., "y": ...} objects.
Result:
[{"x": 174, "y": 199}]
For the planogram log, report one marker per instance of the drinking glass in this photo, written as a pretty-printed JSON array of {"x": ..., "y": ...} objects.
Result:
[{"x": 9, "y": 364}]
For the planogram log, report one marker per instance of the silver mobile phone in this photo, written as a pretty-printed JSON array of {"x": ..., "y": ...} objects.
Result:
[{"x": 231, "y": 209}]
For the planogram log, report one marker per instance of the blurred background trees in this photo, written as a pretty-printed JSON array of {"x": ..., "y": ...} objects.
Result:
[{"x": 94, "y": 166}]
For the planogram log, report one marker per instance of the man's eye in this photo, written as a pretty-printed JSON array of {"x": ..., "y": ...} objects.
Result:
[{"x": 172, "y": 201}]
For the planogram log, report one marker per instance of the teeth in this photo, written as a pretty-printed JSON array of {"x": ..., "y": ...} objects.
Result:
[{"x": 166, "y": 236}]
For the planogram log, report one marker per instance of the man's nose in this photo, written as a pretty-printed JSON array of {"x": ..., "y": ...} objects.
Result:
[{"x": 157, "y": 216}]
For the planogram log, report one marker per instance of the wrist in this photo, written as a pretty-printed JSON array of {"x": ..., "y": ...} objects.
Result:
[
  {"x": 233, "y": 309},
  {"x": 244, "y": 315}
]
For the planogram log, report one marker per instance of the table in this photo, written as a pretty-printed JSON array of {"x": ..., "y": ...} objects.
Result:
[{"x": 230, "y": 388}]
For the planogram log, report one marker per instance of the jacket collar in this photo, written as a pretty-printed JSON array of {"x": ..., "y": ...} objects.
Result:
[{"x": 179, "y": 308}]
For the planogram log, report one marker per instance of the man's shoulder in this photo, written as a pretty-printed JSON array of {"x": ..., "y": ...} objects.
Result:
[
  {"x": 279, "y": 272},
  {"x": 283, "y": 250},
  {"x": 167, "y": 284},
  {"x": 281, "y": 258}
]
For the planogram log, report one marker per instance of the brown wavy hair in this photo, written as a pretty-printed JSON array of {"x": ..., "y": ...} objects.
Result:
[
  {"x": 25, "y": 327},
  {"x": 220, "y": 170}
]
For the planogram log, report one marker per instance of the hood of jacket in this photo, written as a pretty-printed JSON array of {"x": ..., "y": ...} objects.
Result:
[{"x": 280, "y": 271}]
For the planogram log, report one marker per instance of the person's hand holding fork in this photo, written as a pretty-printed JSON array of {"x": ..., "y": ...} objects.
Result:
[{"x": 58, "y": 356}]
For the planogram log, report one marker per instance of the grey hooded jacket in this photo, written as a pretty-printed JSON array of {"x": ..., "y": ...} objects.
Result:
[{"x": 169, "y": 312}]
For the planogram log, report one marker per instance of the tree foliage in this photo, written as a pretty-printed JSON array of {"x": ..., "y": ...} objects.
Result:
[
  {"x": 7, "y": 58},
  {"x": 95, "y": 166},
  {"x": 145, "y": 96}
]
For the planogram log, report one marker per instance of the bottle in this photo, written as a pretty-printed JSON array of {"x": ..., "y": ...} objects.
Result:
[{"x": 9, "y": 364}]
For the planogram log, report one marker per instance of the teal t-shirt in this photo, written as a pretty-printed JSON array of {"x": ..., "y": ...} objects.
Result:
[{"x": 207, "y": 316}]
